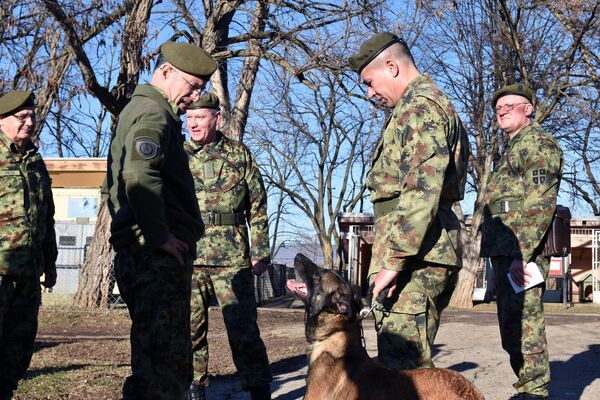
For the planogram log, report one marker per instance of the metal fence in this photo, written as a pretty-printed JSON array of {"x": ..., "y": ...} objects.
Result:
[{"x": 72, "y": 239}]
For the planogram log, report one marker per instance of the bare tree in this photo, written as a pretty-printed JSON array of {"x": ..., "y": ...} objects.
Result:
[
  {"x": 95, "y": 281},
  {"x": 310, "y": 142}
]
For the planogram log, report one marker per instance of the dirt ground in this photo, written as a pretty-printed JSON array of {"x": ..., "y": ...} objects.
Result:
[{"x": 85, "y": 355}]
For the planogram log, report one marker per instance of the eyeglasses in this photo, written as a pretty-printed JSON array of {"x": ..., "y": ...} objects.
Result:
[
  {"x": 507, "y": 107},
  {"x": 193, "y": 87},
  {"x": 24, "y": 117}
]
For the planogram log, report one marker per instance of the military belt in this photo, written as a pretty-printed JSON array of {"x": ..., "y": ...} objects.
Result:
[
  {"x": 213, "y": 218},
  {"x": 504, "y": 206}
]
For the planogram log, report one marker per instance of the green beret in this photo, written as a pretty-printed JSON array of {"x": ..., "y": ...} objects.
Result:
[
  {"x": 189, "y": 58},
  {"x": 519, "y": 89},
  {"x": 209, "y": 100},
  {"x": 371, "y": 49},
  {"x": 14, "y": 100}
]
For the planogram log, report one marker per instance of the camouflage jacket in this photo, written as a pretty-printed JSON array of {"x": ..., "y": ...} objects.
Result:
[
  {"x": 228, "y": 182},
  {"x": 418, "y": 172},
  {"x": 522, "y": 196},
  {"x": 27, "y": 238},
  {"x": 151, "y": 190}
]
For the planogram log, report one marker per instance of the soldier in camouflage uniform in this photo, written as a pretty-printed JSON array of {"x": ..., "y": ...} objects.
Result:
[
  {"x": 156, "y": 221},
  {"x": 27, "y": 240},
  {"x": 230, "y": 194},
  {"x": 520, "y": 206},
  {"x": 417, "y": 173}
]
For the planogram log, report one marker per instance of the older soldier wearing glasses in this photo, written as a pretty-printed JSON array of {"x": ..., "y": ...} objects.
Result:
[
  {"x": 156, "y": 221},
  {"x": 520, "y": 206},
  {"x": 27, "y": 240}
]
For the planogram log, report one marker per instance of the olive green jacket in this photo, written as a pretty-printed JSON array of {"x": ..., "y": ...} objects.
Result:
[
  {"x": 228, "y": 183},
  {"x": 27, "y": 237},
  {"x": 418, "y": 172},
  {"x": 151, "y": 190},
  {"x": 522, "y": 194}
]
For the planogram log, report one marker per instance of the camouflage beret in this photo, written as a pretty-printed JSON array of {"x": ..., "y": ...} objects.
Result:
[
  {"x": 189, "y": 58},
  {"x": 209, "y": 100},
  {"x": 519, "y": 89},
  {"x": 14, "y": 100},
  {"x": 371, "y": 49}
]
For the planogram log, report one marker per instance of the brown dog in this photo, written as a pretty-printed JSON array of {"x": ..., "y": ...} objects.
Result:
[{"x": 339, "y": 367}]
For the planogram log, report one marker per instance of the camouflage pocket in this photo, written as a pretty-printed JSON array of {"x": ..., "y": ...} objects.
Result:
[
  {"x": 410, "y": 303},
  {"x": 14, "y": 227}
]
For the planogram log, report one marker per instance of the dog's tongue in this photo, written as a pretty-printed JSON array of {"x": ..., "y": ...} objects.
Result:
[{"x": 298, "y": 289}]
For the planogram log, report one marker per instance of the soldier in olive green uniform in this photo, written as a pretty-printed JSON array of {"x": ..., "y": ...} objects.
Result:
[
  {"x": 27, "y": 239},
  {"x": 520, "y": 206},
  {"x": 230, "y": 193},
  {"x": 156, "y": 221},
  {"x": 418, "y": 172}
]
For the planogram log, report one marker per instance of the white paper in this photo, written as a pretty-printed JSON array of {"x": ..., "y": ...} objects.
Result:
[{"x": 535, "y": 279}]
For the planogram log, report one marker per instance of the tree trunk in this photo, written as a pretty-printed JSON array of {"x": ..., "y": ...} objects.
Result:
[
  {"x": 96, "y": 281},
  {"x": 463, "y": 294}
]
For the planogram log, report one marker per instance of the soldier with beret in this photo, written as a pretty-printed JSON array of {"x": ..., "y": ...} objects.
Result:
[
  {"x": 27, "y": 239},
  {"x": 519, "y": 209},
  {"x": 230, "y": 194},
  {"x": 156, "y": 221},
  {"x": 418, "y": 172}
]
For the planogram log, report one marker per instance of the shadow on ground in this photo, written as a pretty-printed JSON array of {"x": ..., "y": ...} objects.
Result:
[{"x": 571, "y": 377}]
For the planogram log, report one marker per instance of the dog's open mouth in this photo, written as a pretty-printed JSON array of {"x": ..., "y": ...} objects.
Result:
[{"x": 297, "y": 289}]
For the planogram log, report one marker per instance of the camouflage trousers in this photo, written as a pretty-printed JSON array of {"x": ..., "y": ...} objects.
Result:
[
  {"x": 234, "y": 289},
  {"x": 19, "y": 305},
  {"x": 522, "y": 328},
  {"x": 408, "y": 322},
  {"x": 157, "y": 291}
]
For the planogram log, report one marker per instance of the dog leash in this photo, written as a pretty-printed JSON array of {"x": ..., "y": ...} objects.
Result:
[{"x": 364, "y": 313}]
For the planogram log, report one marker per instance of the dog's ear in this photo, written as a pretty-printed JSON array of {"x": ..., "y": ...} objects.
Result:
[{"x": 341, "y": 303}]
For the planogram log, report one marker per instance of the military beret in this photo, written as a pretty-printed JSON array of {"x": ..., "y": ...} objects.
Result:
[
  {"x": 14, "y": 100},
  {"x": 189, "y": 58},
  {"x": 519, "y": 89},
  {"x": 371, "y": 49},
  {"x": 209, "y": 100}
]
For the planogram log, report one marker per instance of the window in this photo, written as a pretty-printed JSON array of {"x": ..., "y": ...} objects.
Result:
[{"x": 67, "y": 240}]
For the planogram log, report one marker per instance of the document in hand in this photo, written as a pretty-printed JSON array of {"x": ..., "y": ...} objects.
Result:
[{"x": 536, "y": 278}]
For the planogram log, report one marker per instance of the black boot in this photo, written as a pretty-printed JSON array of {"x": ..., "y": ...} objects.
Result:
[
  {"x": 527, "y": 396},
  {"x": 195, "y": 392},
  {"x": 262, "y": 392}
]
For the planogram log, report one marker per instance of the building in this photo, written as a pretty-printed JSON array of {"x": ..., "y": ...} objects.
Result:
[{"x": 76, "y": 184}]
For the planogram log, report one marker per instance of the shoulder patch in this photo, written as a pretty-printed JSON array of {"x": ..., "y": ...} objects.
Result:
[{"x": 146, "y": 147}]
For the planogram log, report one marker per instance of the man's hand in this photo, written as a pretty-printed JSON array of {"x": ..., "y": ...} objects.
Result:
[
  {"x": 49, "y": 278},
  {"x": 175, "y": 247},
  {"x": 518, "y": 273},
  {"x": 384, "y": 279},
  {"x": 259, "y": 267}
]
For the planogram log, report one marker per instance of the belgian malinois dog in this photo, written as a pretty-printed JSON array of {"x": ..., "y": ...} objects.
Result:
[{"x": 339, "y": 367}]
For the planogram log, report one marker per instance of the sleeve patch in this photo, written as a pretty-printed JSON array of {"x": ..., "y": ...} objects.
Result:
[
  {"x": 146, "y": 147},
  {"x": 539, "y": 176}
]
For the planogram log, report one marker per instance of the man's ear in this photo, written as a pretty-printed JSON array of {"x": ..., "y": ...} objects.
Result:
[
  {"x": 392, "y": 67},
  {"x": 529, "y": 109},
  {"x": 165, "y": 69}
]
